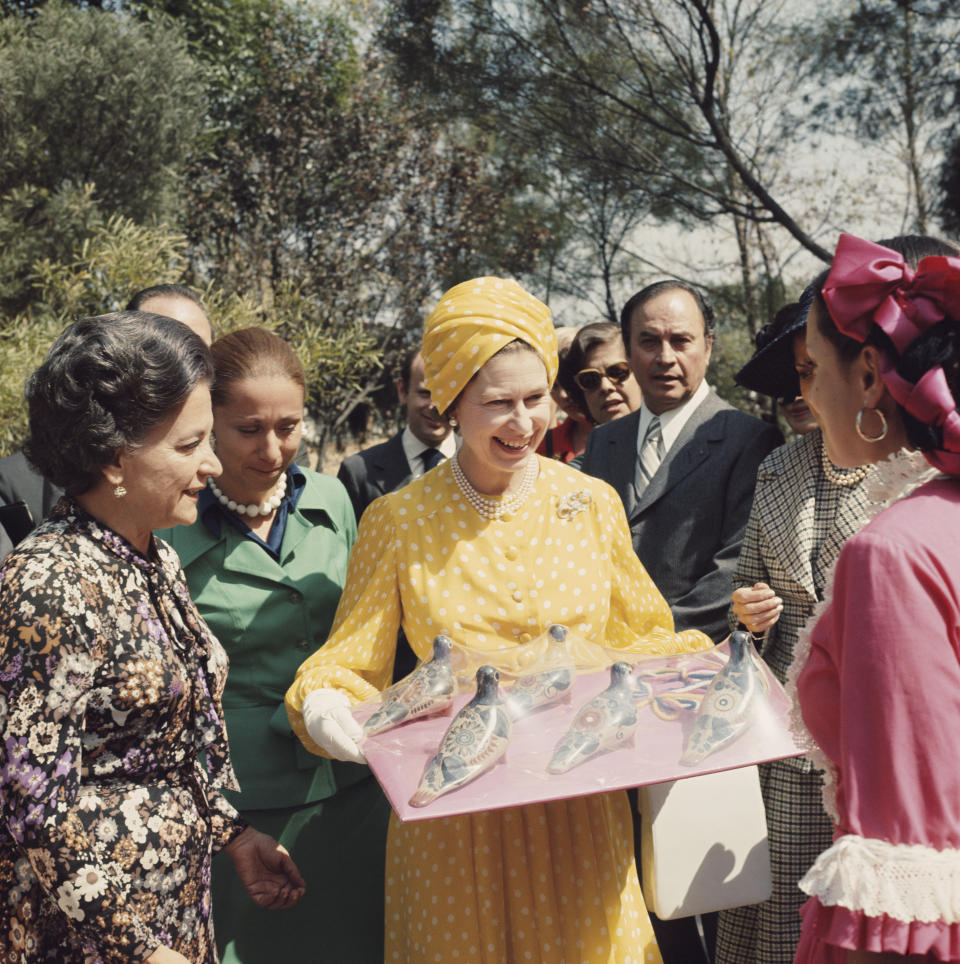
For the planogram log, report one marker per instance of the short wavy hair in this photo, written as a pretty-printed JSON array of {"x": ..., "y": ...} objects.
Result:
[{"x": 105, "y": 383}]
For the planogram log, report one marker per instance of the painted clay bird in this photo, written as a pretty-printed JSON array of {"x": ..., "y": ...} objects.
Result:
[
  {"x": 727, "y": 706},
  {"x": 430, "y": 688},
  {"x": 608, "y": 720},
  {"x": 549, "y": 685},
  {"x": 475, "y": 740}
]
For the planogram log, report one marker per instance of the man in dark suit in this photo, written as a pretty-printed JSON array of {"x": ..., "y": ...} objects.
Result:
[
  {"x": 426, "y": 441},
  {"x": 688, "y": 501},
  {"x": 685, "y": 464},
  {"x": 20, "y": 483}
]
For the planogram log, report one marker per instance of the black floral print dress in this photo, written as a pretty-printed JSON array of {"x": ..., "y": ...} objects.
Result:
[{"x": 113, "y": 751}]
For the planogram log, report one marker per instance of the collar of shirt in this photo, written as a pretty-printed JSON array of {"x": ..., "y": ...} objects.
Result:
[
  {"x": 212, "y": 513},
  {"x": 413, "y": 448},
  {"x": 672, "y": 422}
]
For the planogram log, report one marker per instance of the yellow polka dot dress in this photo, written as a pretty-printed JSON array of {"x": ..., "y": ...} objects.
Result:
[{"x": 549, "y": 882}]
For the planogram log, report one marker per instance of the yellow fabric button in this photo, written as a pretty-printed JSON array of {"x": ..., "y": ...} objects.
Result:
[
  {"x": 512, "y": 554},
  {"x": 507, "y": 517},
  {"x": 517, "y": 596},
  {"x": 525, "y": 637}
]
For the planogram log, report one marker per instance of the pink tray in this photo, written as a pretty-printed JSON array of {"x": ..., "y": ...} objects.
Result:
[{"x": 398, "y": 757}]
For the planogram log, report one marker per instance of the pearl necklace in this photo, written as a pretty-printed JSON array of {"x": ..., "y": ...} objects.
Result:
[
  {"x": 254, "y": 508},
  {"x": 495, "y": 508},
  {"x": 845, "y": 479}
]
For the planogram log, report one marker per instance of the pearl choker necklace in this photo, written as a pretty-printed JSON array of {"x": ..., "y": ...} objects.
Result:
[
  {"x": 254, "y": 508},
  {"x": 495, "y": 508},
  {"x": 845, "y": 479}
]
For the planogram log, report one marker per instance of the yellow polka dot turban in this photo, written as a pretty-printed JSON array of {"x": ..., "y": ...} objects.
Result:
[{"x": 473, "y": 321}]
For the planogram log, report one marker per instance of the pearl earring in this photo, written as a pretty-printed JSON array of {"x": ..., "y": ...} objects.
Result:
[{"x": 119, "y": 491}]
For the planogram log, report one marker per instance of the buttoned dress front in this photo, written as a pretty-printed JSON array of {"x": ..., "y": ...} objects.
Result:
[{"x": 548, "y": 883}]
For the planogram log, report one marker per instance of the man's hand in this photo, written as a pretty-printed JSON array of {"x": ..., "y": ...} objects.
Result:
[{"x": 265, "y": 869}]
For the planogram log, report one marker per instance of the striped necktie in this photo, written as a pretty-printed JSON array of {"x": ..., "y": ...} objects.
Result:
[{"x": 651, "y": 454}]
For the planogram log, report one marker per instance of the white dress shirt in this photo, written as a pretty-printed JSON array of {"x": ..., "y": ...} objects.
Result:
[{"x": 413, "y": 448}]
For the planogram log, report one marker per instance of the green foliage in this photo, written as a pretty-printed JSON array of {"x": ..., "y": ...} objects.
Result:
[
  {"x": 323, "y": 177},
  {"x": 896, "y": 66},
  {"x": 23, "y": 345},
  {"x": 97, "y": 115},
  {"x": 37, "y": 222},
  {"x": 116, "y": 260}
]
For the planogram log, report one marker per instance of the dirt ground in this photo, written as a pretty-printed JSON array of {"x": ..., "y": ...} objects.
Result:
[{"x": 332, "y": 457}]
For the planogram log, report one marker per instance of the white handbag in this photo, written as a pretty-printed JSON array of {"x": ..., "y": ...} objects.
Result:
[{"x": 704, "y": 843}]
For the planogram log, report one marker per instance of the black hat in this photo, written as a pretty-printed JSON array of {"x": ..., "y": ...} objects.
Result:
[{"x": 771, "y": 370}]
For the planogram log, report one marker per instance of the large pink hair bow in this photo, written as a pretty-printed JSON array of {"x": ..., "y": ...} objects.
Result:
[{"x": 869, "y": 284}]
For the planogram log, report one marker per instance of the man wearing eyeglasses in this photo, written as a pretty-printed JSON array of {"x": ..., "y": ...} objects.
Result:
[{"x": 685, "y": 464}]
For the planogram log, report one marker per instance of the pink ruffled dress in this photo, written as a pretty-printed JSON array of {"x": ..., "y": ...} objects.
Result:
[{"x": 880, "y": 694}]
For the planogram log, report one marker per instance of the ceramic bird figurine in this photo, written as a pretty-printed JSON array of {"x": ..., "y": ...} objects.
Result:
[
  {"x": 727, "y": 706},
  {"x": 475, "y": 740},
  {"x": 548, "y": 685},
  {"x": 608, "y": 720},
  {"x": 430, "y": 688}
]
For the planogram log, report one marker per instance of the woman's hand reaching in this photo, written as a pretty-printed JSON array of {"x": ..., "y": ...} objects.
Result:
[
  {"x": 758, "y": 607},
  {"x": 265, "y": 869}
]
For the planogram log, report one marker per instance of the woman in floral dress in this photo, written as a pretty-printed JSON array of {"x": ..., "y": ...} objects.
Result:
[{"x": 109, "y": 681}]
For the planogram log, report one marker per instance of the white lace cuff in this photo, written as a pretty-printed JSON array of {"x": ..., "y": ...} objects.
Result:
[{"x": 908, "y": 882}]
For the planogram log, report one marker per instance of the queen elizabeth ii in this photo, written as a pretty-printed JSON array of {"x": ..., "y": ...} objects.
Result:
[{"x": 490, "y": 548}]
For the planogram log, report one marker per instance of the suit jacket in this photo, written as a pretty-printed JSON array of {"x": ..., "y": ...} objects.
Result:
[
  {"x": 18, "y": 480},
  {"x": 374, "y": 472},
  {"x": 270, "y": 615},
  {"x": 689, "y": 522}
]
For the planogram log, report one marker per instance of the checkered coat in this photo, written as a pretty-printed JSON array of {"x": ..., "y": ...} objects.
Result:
[{"x": 797, "y": 526}]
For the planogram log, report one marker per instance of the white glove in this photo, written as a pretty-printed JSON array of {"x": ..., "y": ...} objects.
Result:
[{"x": 327, "y": 717}]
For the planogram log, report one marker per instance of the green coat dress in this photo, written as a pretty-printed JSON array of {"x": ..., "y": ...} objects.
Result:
[{"x": 270, "y": 615}]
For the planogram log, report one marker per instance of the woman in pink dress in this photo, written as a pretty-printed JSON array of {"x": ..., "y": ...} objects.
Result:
[{"x": 878, "y": 676}]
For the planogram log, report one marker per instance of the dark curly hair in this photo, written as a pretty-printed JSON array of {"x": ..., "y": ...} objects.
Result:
[{"x": 105, "y": 383}]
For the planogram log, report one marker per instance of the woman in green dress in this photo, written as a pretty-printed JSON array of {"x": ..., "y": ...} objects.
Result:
[{"x": 265, "y": 563}]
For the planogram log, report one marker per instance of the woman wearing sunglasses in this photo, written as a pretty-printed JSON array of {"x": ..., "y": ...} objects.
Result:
[{"x": 598, "y": 377}]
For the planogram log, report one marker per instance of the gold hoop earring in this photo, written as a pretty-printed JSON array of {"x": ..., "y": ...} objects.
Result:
[
  {"x": 883, "y": 426},
  {"x": 119, "y": 491}
]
